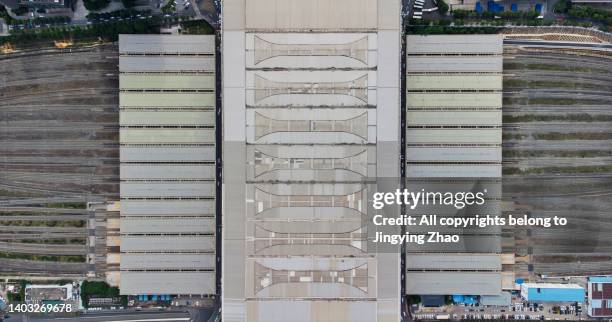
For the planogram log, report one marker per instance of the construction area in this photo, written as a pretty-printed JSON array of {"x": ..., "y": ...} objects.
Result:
[
  {"x": 557, "y": 156},
  {"x": 59, "y": 155}
]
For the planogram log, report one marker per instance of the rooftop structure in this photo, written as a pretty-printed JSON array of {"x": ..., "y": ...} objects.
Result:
[
  {"x": 548, "y": 292},
  {"x": 38, "y": 293},
  {"x": 599, "y": 294},
  {"x": 167, "y": 136},
  {"x": 453, "y": 142},
  {"x": 311, "y": 90}
]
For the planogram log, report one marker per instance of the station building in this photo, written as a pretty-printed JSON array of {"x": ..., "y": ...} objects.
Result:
[{"x": 311, "y": 109}]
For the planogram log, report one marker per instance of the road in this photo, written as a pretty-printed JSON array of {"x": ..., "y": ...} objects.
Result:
[{"x": 118, "y": 316}]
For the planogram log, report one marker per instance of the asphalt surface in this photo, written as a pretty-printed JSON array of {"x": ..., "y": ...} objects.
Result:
[{"x": 118, "y": 316}]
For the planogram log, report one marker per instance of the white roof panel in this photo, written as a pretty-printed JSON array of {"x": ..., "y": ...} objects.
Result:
[
  {"x": 461, "y": 283},
  {"x": 201, "y": 225},
  {"x": 453, "y": 64},
  {"x": 167, "y": 261},
  {"x": 470, "y": 44},
  {"x": 133, "y": 283},
  {"x": 464, "y": 154},
  {"x": 166, "y": 153},
  {"x": 167, "y": 207},
  {"x": 454, "y": 170},
  {"x": 167, "y": 171},
  {"x": 153, "y": 189},
  {"x": 194, "y": 44},
  {"x": 166, "y": 63},
  {"x": 453, "y": 261},
  {"x": 167, "y": 243}
]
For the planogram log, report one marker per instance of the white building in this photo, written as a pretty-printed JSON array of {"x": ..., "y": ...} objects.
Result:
[{"x": 311, "y": 108}]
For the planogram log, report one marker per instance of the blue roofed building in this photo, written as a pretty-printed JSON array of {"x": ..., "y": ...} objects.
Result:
[{"x": 548, "y": 292}]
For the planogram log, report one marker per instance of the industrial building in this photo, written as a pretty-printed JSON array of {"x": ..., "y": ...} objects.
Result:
[
  {"x": 549, "y": 292},
  {"x": 453, "y": 143},
  {"x": 599, "y": 294},
  {"x": 167, "y": 172},
  {"x": 311, "y": 110}
]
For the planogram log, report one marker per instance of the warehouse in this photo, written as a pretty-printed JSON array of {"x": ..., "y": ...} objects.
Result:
[
  {"x": 167, "y": 171},
  {"x": 548, "y": 292}
]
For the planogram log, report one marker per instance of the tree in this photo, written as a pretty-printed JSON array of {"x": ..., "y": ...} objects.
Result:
[
  {"x": 96, "y": 5},
  {"x": 562, "y": 6},
  {"x": 128, "y": 3},
  {"x": 442, "y": 7}
]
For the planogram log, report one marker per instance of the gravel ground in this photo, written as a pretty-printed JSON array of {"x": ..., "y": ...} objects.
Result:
[
  {"x": 559, "y": 84},
  {"x": 59, "y": 134}
]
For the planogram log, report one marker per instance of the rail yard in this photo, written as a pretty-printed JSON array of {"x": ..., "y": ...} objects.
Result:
[
  {"x": 59, "y": 134},
  {"x": 558, "y": 158},
  {"x": 59, "y": 116}
]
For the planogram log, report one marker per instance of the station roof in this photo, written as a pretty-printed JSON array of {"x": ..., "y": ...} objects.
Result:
[
  {"x": 167, "y": 283},
  {"x": 453, "y": 261},
  {"x": 461, "y": 283},
  {"x": 202, "y": 44},
  {"x": 468, "y": 44}
]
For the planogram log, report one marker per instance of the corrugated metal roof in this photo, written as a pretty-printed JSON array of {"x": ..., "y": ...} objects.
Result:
[
  {"x": 466, "y": 244},
  {"x": 167, "y": 207},
  {"x": 167, "y": 171},
  {"x": 486, "y": 136},
  {"x": 166, "y": 153},
  {"x": 454, "y": 171},
  {"x": 201, "y": 118},
  {"x": 166, "y": 63},
  {"x": 454, "y": 44},
  {"x": 460, "y": 283},
  {"x": 454, "y": 100},
  {"x": 167, "y": 283},
  {"x": 154, "y": 189},
  {"x": 198, "y": 44},
  {"x": 167, "y": 261},
  {"x": 467, "y": 81},
  {"x": 172, "y": 100},
  {"x": 167, "y": 243},
  {"x": 166, "y": 81},
  {"x": 454, "y": 64},
  {"x": 453, "y": 261},
  {"x": 421, "y": 118},
  {"x": 200, "y": 225},
  {"x": 453, "y": 153},
  {"x": 166, "y": 135}
]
